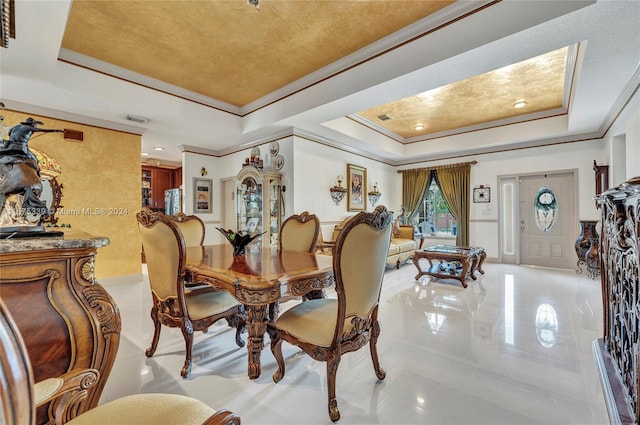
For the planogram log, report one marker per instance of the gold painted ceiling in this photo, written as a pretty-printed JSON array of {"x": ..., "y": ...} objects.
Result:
[
  {"x": 228, "y": 50},
  {"x": 237, "y": 54},
  {"x": 485, "y": 98}
]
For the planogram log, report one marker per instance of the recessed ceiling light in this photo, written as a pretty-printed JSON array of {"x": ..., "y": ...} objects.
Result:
[
  {"x": 520, "y": 104},
  {"x": 419, "y": 127},
  {"x": 158, "y": 148},
  {"x": 145, "y": 153}
]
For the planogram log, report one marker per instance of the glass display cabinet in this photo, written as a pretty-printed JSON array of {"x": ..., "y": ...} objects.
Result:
[{"x": 258, "y": 203}]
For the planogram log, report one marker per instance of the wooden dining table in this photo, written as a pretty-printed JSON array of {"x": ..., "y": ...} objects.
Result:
[{"x": 259, "y": 279}]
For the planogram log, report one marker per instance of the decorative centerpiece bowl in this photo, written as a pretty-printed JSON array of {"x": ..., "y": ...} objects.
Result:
[{"x": 238, "y": 240}]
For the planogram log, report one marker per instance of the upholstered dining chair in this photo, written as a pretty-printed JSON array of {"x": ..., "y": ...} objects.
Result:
[
  {"x": 327, "y": 328},
  {"x": 300, "y": 233},
  {"x": 191, "y": 227},
  {"x": 173, "y": 306},
  {"x": 193, "y": 231},
  {"x": 19, "y": 395}
]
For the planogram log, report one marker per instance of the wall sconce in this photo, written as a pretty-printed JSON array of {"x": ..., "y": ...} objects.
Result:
[
  {"x": 338, "y": 192},
  {"x": 374, "y": 195},
  {"x": 203, "y": 172}
]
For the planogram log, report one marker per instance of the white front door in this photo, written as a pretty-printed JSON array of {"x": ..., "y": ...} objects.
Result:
[{"x": 547, "y": 220}]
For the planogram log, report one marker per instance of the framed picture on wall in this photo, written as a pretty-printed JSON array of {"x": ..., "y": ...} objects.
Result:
[
  {"x": 356, "y": 188},
  {"x": 202, "y": 195}
]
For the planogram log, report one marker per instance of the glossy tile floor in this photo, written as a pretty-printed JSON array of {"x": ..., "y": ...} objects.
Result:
[{"x": 512, "y": 348}]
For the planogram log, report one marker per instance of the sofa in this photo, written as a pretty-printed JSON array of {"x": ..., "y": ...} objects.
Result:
[{"x": 402, "y": 245}]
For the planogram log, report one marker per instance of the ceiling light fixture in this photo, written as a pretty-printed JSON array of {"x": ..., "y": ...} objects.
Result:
[
  {"x": 419, "y": 127},
  {"x": 145, "y": 153},
  {"x": 520, "y": 104},
  {"x": 254, "y": 3},
  {"x": 158, "y": 148}
]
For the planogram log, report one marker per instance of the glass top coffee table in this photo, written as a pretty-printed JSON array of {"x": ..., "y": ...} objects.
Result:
[{"x": 453, "y": 262}]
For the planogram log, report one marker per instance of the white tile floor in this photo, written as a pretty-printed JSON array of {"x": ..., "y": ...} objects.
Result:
[{"x": 512, "y": 348}]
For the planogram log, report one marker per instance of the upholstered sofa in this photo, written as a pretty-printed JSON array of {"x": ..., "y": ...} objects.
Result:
[{"x": 402, "y": 245}]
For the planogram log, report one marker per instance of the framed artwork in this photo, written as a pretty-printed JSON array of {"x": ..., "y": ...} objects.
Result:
[
  {"x": 202, "y": 195},
  {"x": 357, "y": 188},
  {"x": 252, "y": 224}
]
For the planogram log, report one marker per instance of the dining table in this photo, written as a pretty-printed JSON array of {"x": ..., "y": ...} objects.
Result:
[{"x": 259, "y": 279}]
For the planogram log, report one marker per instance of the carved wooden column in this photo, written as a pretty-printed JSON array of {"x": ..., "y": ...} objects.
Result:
[
  {"x": 618, "y": 352},
  {"x": 66, "y": 318}
]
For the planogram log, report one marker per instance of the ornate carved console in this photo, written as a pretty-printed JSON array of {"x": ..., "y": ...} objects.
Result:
[
  {"x": 66, "y": 318},
  {"x": 618, "y": 352}
]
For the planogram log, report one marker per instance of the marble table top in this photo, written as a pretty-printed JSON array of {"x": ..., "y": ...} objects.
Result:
[{"x": 68, "y": 240}]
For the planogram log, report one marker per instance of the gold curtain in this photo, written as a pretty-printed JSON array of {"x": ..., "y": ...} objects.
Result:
[
  {"x": 414, "y": 184},
  {"x": 455, "y": 183}
]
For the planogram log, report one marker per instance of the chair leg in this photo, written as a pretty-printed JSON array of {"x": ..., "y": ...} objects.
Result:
[
  {"x": 156, "y": 332},
  {"x": 276, "y": 349},
  {"x": 333, "y": 360},
  {"x": 373, "y": 346},
  {"x": 187, "y": 332}
]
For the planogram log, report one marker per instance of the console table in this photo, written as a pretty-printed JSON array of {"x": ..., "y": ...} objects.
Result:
[
  {"x": 67, "y": 319},
  {"x": 617, "y": 353},
  {"x": 455, "y": 262}
]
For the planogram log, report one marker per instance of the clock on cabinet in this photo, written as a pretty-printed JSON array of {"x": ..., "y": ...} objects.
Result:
[{"x": 481, "y": 194}]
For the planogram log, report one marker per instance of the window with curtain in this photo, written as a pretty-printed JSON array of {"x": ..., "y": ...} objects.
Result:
[{"x": 434, "y": 215}]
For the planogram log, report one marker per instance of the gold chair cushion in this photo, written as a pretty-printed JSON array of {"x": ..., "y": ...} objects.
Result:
[
  {"x": 312, "y": 321},
  {"x": 208, "y": 302},
  {"x": 147, "y": 409}
]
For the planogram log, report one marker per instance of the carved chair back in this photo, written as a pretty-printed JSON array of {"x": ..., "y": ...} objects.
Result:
[
  {"x": 164, "y": 249},
  {"x": 359, "y": 264},
  {"x": 191, "y": 227},
  {"x": 300, "y": 233}
]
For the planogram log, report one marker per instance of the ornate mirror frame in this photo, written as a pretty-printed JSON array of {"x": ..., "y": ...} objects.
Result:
[{"x": 54, "y": 205}]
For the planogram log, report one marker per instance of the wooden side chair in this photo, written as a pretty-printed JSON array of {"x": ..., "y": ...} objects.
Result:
[
  {"x": 173, "y": 306},
  {"x": 327, "y": 328},
  {"x": 300, "y": 233},
  {"x": 19, "y": 395}
]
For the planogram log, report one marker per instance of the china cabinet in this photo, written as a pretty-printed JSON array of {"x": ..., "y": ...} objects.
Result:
[{"x": 259, "y": 203}]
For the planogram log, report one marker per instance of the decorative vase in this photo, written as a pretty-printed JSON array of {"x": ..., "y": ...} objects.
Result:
[
  {"x": 587, "y": 246},
  {"x": 238, "y": 240},
  {"x": 587, "y": 233}
]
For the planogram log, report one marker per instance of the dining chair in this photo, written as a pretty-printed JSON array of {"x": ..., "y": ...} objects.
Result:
[
  {"x": 173, "y": 305},
  {"x": 20, "y": 395},
  {"x": 191, "y": 227},
  {"x": 326, "y": 328},
  {"x": 193, "y": 231},
  {"x": 300, "y": 233}
]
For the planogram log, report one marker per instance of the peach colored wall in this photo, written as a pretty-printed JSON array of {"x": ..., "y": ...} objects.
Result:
[{"x": 101, "y": 194}]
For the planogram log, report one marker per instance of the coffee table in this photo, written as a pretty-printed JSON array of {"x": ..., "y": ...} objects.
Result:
[{"x": 454, "y": 262}]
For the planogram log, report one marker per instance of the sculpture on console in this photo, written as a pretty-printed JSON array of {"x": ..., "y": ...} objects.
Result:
[{"x": 21, "y": 209}]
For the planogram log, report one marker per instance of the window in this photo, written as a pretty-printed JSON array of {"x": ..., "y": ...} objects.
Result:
[{"x": 434, "y": 216}]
